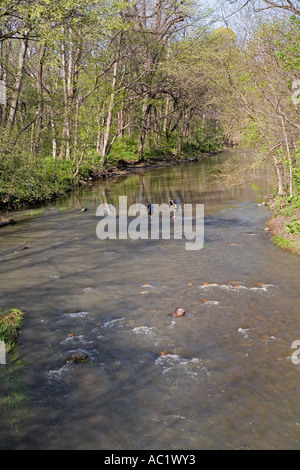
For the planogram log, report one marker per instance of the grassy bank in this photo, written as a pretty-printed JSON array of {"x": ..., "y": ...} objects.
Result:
[
  {"x": 30, "y": 182},
  {"x": 10, "y": 323},
  {"x": 14, "y": 395},
  {"x": 285, "y": 223}
]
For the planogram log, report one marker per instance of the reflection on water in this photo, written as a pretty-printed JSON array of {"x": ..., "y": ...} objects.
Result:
[
  {"x": 194, "y": 183},
  {"x": 220, "y": 377}
]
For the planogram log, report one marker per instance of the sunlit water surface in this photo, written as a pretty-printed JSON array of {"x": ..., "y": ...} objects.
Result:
[{"x": 220, "y": 377}]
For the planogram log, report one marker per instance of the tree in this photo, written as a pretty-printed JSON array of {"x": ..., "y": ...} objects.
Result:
[
  {"x": 264, "y": 91},
  {"x": 291, "y": 6}
]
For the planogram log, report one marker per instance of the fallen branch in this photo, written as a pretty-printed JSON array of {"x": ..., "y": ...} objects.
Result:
[{"x": 7, "y": 222}]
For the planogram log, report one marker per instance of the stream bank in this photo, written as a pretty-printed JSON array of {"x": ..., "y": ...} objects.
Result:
[
  {"x": 122, "y": 168},
  {"x": 281, "y": 236}
]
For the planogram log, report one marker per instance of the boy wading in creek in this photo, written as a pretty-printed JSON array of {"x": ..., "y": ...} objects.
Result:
[{"x": 173, "y": 204}]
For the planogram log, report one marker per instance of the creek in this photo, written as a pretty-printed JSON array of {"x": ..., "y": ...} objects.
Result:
[{"x": 219, "y": 377}]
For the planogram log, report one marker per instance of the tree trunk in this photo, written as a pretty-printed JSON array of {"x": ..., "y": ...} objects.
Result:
[
  {"x": 167, "y": 110},
  {"x": 66, "y": 124},
  {"x": 121, "y": 125},
  {"x": 100, "y": 124},
  {"x": 39, "y": 112},
  {"x": 111, "y": 103},
  {"x": 17, "y": 86},
  {"x": 181, "y": 134},
  {"x": 145, "y": 126},
  {"x": 280, "y": 178},
  {"x": 53, "y": 129},
  {"x": 291, "y": 188},
  {"x": 67, "y": 67},
  {"x": 75, "y": 96},
  {"x": 76, "y": 128},
  {"x": 3, "y": 79},
  {"x": 109, "y": 114}
]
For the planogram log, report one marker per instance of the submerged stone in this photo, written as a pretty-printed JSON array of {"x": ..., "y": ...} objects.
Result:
[{"x": 76, "y": 356}]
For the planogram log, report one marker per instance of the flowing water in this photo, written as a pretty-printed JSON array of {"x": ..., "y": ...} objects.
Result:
[{"x": 220, "y": 377}]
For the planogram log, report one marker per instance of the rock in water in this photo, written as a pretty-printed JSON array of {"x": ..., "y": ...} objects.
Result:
[
  {"x": 179, "y": 312},
  {"x": 76, "y": 356}
]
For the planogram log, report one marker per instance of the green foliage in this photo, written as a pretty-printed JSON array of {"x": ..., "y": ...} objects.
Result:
[
  {"x": 296, "y": 176},
  {"x": 254, "y": 137},
  {"x": 10, "y": 324},
  {"x": 27, "y": 180},
  {"x": 288, "y": 47},
  {"x": 125, "y": 149},
  {"x": 283, "y": 243},
  {"x": 91, "y": 161},
  {"x": 294, "y": 201},
  {"x": 210, "y": 138},
  {"x": 294, "y": 226}
]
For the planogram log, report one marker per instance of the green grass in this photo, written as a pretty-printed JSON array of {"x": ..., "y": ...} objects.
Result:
[
  {"x": 33, "y": 213},
  {"x": 285, "y": 244},
  {"x": 10, "y": 324},
  {"x": 14, "y": 398},
  {"x": 293, "y": 227}
]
